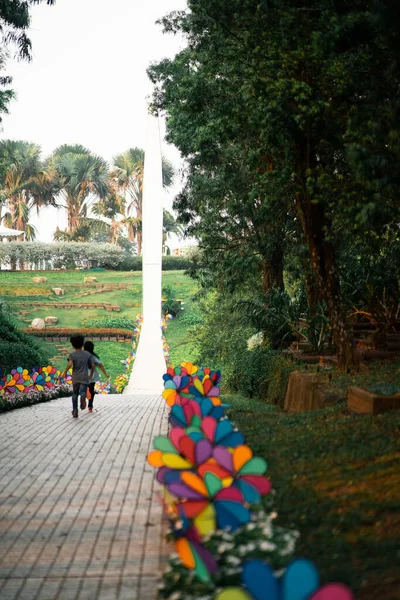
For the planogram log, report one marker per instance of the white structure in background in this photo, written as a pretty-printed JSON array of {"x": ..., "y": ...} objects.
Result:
[
  {"x": 149, "y": 366},
  {"x": 5, "y": 233}
]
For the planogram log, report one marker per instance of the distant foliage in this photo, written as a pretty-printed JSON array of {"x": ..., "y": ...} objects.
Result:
[
  {"x": 64, "y": 254},
  {"x": 169, "y": 263},
  {"x": 16, "y": 348},
  {"x": 110, "y": 323}
]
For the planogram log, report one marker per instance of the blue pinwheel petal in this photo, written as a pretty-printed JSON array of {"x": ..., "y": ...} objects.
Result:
[
  {"x": 178, "y": 415},
  {"x": 206, "y": 406},
  {"x": 250, "y": 494},
  {"x": 232, "y": 440},
  {"x": 223, "y": 428},
  {"x": 260, "y": 580},
  {"x": 196, "y": 436},
  {"x": 231, "y": 514},
  {"x": 217, "y": 412},
  {"x": 166, "y": 377},
  {"x": 300, "y": 580}
]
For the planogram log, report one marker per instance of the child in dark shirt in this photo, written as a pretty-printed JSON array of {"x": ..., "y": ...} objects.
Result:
[{"x": 80, "y": 361}]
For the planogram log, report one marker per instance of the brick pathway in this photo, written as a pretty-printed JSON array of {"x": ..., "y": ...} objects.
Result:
[{"x": 79, "y": 516}]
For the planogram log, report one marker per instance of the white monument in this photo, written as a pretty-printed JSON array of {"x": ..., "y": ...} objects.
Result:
[{"x": 149, "y": 366}]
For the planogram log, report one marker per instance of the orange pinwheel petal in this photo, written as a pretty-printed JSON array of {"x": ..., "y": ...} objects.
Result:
[
  {"x": 195, "y": 482},
  {"x": 185, "y": 553},
  {"x": 241, "y": 455},
  {"x": 155, "y": 458}
]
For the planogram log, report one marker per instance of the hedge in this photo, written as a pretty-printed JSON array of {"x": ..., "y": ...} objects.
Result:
[
  {"x": 169, "y": 263},
  {"x": 62, "y": 253},
  {"x": 86, "y": 332}
]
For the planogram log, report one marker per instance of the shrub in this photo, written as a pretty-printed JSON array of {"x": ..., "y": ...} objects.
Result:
[
  {"x": 61, "y": 253},
  {"x": 86, "y": 332},
  {"x": 16, "y": 348},
  {"x": 169, "y": 263},
  {"x": 110, "y": 323},
  {"x": 170, "y": 305}
]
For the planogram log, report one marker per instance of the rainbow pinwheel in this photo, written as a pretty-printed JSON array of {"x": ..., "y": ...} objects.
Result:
[
  {"x": 205, "y": 387},
  {"x": 221, "y": 433},
  {"x": 182, "y": 415},
  {"x": 179, "y": 452},
  {"x": 299, "y": 582},
  {"x": 210, "y": 502},
  {"x": 246, "y": 470},
  {"x": 176, "y": 389}
]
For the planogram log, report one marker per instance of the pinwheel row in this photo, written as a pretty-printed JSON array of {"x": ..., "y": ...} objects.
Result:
[
  {"x": 210, "y": 476},
  {"x": 24, "y": 380},
  {"x": 211, "y": 479}
]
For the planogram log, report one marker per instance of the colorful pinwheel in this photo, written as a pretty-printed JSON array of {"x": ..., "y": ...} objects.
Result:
[
  {"x": 205, "y": 388},
  {"x": 176, "y": 389},
  {"x": 299, "y": 582},
  {"x": 246, "y": 470},
  {"x": 210, "y": 502}
]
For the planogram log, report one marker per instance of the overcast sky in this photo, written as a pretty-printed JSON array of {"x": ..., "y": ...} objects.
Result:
[{"x": 87, "y": 82}]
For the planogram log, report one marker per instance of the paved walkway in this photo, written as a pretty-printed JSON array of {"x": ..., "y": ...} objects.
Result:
[{"x": 79, "y": 516}]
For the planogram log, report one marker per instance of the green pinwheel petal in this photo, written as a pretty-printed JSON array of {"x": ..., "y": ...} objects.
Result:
[
  {"x": 164, "y": 444},
  {"x": 213, "y": 483},
  {"x": 255, "y": 466}
]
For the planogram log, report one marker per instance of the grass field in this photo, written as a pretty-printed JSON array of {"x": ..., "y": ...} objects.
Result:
[
  {"x": 19, "y": 287},
  {"x": 337, "y": 480}
]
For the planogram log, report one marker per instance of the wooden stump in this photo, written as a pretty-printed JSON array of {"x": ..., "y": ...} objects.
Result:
[{"x": 368, "y": 403}]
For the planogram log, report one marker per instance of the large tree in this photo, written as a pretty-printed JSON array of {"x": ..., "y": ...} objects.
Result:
[
  {"x": 296, "y": 80},
  {"x": 128, "y": 174},
  {"x": 15, "y": 19},
  {"x": 83, "y": 178}
]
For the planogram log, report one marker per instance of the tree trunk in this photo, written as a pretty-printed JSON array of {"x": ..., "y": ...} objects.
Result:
[
  {"x": 272, "y": 272},
  {"x": 323, "y": 261}
]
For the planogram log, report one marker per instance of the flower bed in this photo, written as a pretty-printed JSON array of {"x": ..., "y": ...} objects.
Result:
[
  {"x": 24, "y": 388},
  {"x": 227, "y": 546}
]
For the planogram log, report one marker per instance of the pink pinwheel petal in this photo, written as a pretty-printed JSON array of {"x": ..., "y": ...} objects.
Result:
[
  {"x": 175, "y": 435},
  {"x": 333, "y": 591},
  {"x": 230, "y": 493},
  {"x": 261, "y": 483},
  {"x": 209, "y": 426}
]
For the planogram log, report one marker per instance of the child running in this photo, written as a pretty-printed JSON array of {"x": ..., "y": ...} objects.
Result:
[
  {"x": 94, "y": 377},
  {"x": 81, "y": 363}
]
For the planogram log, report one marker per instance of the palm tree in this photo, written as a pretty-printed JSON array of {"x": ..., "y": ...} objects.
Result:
[
  {"x": 170, "y": 225},
  {"x": 82, "y": 177},
  {"x": 128, "y": 172},
  {"x": 24, "y": 184}
]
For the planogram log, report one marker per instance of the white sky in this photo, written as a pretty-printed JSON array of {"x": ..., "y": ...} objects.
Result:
[{"x": 87, "y": 83}]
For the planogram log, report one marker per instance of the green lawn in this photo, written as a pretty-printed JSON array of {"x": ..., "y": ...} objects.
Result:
[
  {"x": 337, "y": 480},
  {"x": 15, "y": 286},
  {"x": 111, "y": 354}
]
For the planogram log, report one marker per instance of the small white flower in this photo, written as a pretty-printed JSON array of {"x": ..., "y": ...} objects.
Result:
[{"x": 267, "y": 546}]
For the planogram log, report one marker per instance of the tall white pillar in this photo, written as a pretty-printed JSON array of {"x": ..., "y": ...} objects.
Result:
[{"x": 149, "y": 366}]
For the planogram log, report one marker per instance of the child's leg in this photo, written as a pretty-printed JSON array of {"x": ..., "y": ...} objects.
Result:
[
  {"x": 75, "y": 394},
  {"x": 83, "y": 392},
  {"x": 92, "y": 393}
]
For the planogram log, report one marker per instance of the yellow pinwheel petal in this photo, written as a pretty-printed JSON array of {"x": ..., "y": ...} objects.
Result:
[{"x": 206, "y": 522}]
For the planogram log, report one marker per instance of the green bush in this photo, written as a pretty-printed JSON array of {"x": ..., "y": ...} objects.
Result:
[
  {"x": 176, "y": 263},
  {"x": 169, "y": 263},
  {"x": 170, "y": 305},
  {"x": 222, "y": 341},
  {"x": 18, "y": 349},
  {"x": 19, "y": 354},
  {"x": 110, "y": 323}
]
